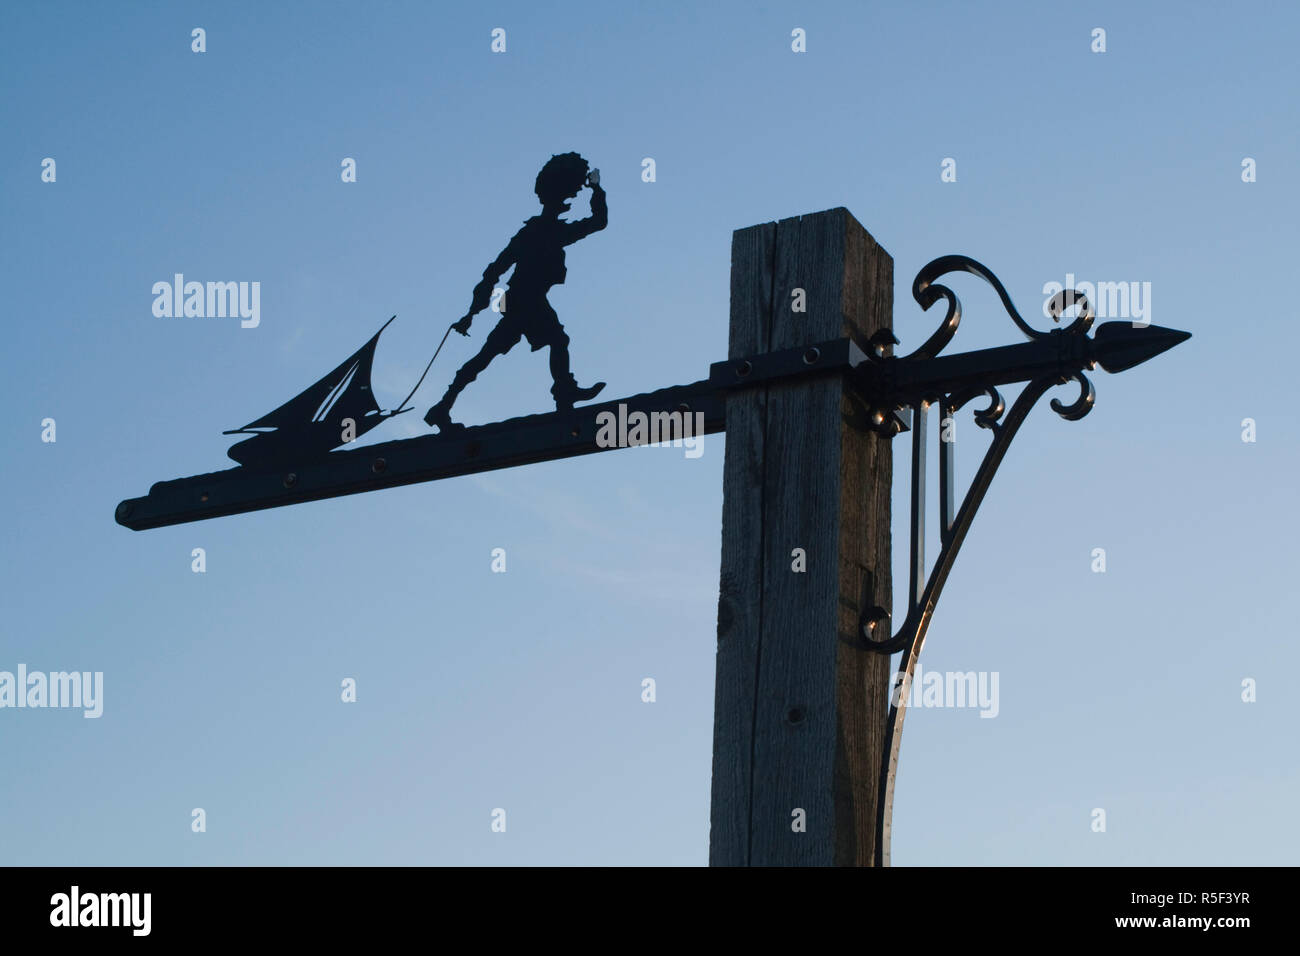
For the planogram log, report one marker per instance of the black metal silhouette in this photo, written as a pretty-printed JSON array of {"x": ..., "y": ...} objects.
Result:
[
  {"x": 330, "y": 413},
  {"x": 537, "y": 254},
  {"x": 340, "y": 407}
]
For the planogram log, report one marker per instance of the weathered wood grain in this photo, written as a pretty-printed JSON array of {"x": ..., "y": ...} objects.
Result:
[{"x": 800, "y": 704}]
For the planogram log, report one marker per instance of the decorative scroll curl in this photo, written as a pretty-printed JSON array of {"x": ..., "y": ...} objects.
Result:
[
  {"x": 1082, "y": 405},
  {"x": 926, "y": 292},
  {"x": 986, "y": 417}
]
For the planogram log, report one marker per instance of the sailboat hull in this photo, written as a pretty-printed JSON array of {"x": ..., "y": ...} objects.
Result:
[{"x": 308, "y": 442}]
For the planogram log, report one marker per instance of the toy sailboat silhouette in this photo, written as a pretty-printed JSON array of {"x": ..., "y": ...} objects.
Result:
[{"x": 316, "y": 421}]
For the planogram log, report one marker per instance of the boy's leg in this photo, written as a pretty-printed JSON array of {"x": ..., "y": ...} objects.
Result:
[
  {"x": 547, "y": 330},
  {"x": 559, "y": 346},
  {"x": 499, "y": 341}
]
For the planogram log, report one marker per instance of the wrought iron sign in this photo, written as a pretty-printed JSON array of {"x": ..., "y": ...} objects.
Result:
[{"x": 288, "y": 457}]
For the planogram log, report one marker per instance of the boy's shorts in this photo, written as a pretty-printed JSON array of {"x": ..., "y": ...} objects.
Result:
[{"x": 535, "y": 321}]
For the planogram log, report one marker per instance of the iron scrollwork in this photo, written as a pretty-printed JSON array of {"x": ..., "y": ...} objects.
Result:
[{"x": 924, "y": 590}]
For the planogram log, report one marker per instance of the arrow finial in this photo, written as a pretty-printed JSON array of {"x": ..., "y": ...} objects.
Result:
[{"x": 1118, "y": 346}]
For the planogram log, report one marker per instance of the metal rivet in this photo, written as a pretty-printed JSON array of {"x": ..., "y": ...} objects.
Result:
[
  {"x": 203, "y": 496},
  {"x": 379, "y": 466},
  {"x": 290, "y": 480},
  {"x": 811, "y": 356},
  {"x": 743, "y": 369},
  {"x": 684, "y": 408},
  {"x": 575, "y": 431}
]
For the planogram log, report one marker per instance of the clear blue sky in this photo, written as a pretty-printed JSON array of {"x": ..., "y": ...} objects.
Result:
[{"x": 522, "y": 690}]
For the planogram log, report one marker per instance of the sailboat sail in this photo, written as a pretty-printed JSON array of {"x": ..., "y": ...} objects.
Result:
[{"x": 313, "y": 422}]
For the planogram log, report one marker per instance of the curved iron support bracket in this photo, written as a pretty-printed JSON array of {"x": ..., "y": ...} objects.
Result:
[
  {"x": 889, "y": 386},
  {"x": 891, "y": 380},
  {"x": 911, "y": 636}
]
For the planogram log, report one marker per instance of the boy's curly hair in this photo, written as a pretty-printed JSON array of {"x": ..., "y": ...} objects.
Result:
[{"x": 561, "y": 178}]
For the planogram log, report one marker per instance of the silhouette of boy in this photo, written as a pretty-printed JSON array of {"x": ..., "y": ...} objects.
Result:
[{"x": 537, "y": 253}]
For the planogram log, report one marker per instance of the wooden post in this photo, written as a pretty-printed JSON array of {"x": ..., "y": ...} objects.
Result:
[{"x": 800, "y": 706}]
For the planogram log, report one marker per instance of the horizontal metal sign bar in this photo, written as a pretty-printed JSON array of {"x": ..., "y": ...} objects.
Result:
[{"x": 518, "y": 441}]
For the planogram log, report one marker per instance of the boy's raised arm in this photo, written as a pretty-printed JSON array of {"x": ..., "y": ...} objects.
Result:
[{"x": 599, "y": 217}]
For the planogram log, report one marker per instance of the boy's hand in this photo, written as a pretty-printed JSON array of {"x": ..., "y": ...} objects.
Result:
[
  {"x": 463, "y": 325},
  {"x": 593, "y": 177}
]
